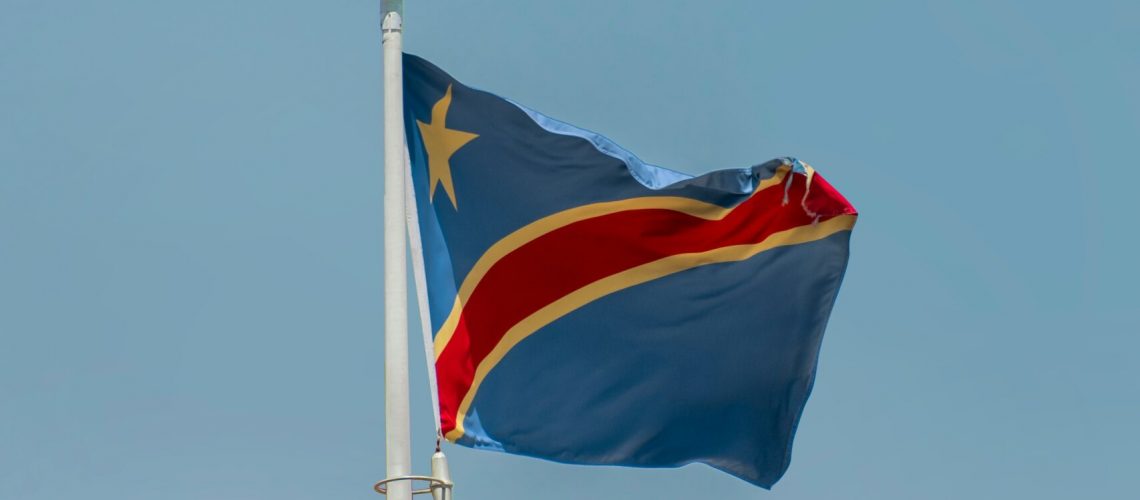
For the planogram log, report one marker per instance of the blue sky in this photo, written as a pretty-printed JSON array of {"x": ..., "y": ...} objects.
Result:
[{"x": 190, "y": 234}]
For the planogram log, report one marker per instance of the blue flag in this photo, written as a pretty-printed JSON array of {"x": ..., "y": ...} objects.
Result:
[{"x": 589, "y": 308}]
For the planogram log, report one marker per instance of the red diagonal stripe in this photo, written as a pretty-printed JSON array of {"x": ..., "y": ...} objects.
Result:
[{"x": 570, "y": 257}]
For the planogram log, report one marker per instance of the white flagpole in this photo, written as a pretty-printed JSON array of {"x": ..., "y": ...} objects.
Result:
[{"x": 397, "y": 428}]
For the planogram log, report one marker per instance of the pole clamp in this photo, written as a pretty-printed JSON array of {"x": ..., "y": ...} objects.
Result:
[{"x": 434, "y": 484}]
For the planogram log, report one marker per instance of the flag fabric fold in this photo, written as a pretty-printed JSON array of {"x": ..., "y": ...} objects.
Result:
[{"x": 589, "y": 308}]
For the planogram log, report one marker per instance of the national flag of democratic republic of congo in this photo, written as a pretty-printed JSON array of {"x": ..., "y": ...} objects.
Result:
[{"x": 589, "y": 308}]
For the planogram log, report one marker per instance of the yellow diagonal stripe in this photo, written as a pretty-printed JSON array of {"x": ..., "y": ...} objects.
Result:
[{"x": 635, "y": 276}]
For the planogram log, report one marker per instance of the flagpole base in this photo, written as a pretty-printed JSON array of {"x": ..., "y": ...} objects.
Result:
[{"x": 434, "y": 484}]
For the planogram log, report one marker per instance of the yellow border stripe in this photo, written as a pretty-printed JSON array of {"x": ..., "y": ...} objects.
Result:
[
  {"x": 636, "y": 276},
  {"x": 531, "y": 231}
]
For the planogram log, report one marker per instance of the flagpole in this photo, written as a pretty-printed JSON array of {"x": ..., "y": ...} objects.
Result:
[{"x": 397, "y": 428}]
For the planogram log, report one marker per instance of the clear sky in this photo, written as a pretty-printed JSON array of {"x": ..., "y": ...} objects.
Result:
[{"x": 190, "y": 234}]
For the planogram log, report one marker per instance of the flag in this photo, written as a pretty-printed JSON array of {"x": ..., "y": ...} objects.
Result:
[{"x": 587, "y": 307}]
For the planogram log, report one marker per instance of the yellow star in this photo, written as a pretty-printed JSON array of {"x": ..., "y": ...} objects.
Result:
[{"x": 440, "y": 143}]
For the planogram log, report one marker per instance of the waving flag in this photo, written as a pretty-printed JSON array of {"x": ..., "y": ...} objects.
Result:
[{"x": 587, "y": 307}]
